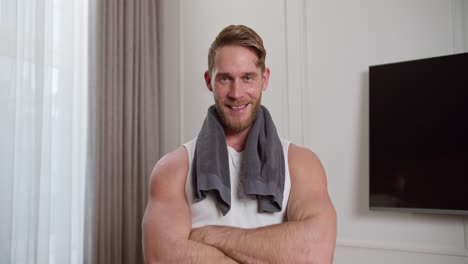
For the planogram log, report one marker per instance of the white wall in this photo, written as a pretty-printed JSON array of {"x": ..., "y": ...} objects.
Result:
[
  {"x": 188, "y": 28},
  {"x": 319, "y": 53}
]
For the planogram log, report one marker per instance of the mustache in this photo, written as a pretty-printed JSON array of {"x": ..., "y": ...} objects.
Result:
[{"x": 238, "y": 102}]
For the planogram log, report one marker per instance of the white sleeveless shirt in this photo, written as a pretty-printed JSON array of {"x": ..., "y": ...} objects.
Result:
[{"x": 244, "y": 210}]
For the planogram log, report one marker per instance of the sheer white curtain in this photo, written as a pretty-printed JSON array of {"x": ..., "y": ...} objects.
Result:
[{"x": 43, "y": 130}]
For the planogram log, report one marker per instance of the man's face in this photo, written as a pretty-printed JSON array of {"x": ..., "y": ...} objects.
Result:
[{"x": 237, "y": 84}]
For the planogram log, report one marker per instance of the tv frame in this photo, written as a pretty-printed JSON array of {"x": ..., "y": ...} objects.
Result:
[{"x": 438, "y": 211}]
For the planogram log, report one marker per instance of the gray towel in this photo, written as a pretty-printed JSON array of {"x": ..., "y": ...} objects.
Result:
[{"x": 263, "y": 163}]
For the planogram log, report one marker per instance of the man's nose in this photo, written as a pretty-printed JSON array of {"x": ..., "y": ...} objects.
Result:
[{"x": 235, "y": 91}]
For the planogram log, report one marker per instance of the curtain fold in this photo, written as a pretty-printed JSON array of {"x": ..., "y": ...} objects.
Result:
[
  {"x": 43, "y": 112},
  {"x": 125, "y": 121}
]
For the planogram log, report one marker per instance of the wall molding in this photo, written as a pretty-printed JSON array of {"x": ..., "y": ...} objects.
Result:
[
  {"x": 296, "y": 65},
  {"x": 460, "y": 26},
  {"x": 466, "y": 232},
  {"x": 181, "y": 71},
  {"x": 401, "y": 247},
  {"x": 169, "y": 41}
]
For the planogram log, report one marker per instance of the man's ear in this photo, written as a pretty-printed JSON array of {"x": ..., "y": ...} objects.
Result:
[
  {"x": 208, "y": 81},
  {"x": 266, "y": 78}
]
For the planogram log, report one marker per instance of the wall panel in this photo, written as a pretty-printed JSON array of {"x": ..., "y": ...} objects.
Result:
[
  {"x": 319, "y": 53},
  {"x": 343, "y": 40}
]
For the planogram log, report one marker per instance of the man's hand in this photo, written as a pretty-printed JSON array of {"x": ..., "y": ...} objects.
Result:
[
  {"x": 201, "y": 234},
  {"x": 210, "y": 235}
]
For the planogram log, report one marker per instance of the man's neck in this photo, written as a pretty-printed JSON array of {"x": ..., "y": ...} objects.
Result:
[{"x": 236, "y": 140}]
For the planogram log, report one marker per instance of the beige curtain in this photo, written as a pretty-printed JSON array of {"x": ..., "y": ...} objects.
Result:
[{"x": 124, "y": 81}]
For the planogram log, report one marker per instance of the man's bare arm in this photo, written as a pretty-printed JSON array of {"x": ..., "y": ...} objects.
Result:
[
  {"x": 308, "y": 236},
  {"x": 167, "y": 222}
]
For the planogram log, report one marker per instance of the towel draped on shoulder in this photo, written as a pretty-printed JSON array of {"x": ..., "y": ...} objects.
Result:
[{"x": 263, "y": 163}]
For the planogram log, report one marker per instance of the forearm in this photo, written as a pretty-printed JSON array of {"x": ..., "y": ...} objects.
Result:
[
  {"x": 187, "y": 251},
  {"x": 272, "y": 244},
  {"x": 305, "y": 241}
]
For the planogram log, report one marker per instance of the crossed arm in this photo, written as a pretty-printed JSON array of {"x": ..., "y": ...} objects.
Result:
[
  {"x": 308, "y": 236},
  {"x": 167, "y": 223}
]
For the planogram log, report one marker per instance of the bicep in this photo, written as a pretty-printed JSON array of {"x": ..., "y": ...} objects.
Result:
[
  {"x": 309, "y": 195},
  {"x": 310, "y": 203},
  {"x": 167, "y": 219},
  {"x": 167, "y": 216}
]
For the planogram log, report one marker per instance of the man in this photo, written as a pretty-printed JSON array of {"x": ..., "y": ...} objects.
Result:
[{"x": 238, "y": 193}]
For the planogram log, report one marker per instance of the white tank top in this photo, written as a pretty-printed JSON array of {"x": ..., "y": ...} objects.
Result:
[{"x": 244, "y": 210}]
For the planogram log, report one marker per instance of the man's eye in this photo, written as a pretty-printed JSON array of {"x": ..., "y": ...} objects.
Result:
[
  {"x": 223, "y": 79},
  {"x": 248, "y": 78}
]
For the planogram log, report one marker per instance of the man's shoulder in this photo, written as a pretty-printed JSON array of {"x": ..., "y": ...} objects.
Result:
[
  {"x": 169, "y": 174},
  {"x": 172, "y": 165},
  {"x": 174, "y": 158},
  {"x": 300, "y": 158}
]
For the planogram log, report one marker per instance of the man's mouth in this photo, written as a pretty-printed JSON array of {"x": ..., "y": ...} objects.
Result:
[{"x": 237, "y": 107}]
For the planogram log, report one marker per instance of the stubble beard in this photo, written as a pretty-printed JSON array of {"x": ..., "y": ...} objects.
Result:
[{"x": 233, "y": 125}]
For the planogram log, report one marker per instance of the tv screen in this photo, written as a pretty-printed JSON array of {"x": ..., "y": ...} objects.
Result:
[{"x": 418, "y": 135}]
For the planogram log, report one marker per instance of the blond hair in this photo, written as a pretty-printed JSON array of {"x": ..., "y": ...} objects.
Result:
[{"x": 238, "y": 35}]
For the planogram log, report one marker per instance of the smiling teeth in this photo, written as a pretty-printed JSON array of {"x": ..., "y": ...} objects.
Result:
[{"x": 238, "y": 107}]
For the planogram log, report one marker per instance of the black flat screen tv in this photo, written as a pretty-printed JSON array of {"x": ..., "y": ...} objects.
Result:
[{"x": 418, "y": 135}]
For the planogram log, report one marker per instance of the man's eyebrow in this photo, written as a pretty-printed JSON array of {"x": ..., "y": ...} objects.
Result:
[
  {"x": 222, "y": 74},
  {"x": 227, "y": 74},
  {"x": 250, "y": 73}
]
